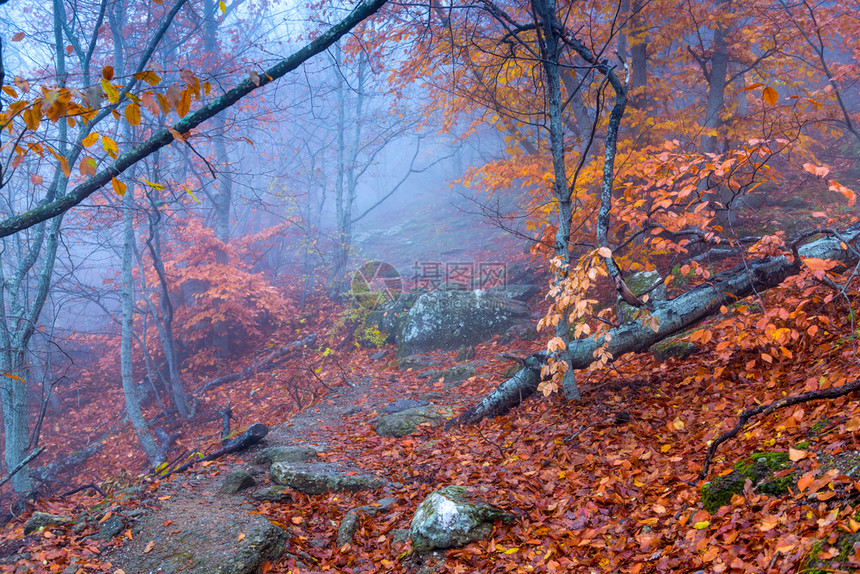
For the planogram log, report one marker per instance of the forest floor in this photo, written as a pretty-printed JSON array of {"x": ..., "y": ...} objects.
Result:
[
  {"x": 595, "y": 492},
  {"x": 607, "y": 484}
]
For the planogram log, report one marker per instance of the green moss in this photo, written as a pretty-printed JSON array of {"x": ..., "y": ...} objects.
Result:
[
  {"x": 844, "y": 544},
  {"x": 759, "y": 468},
  {"x": 819, "y": 427},
  {"x": 803, "y": 445}
]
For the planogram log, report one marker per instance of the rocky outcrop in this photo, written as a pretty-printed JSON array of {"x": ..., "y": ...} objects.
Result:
[
  {"x": 352, "y": 519},
  {"x": 297, "y": 453},
  {"x": 403, "y": 423},
  {"x": 213, "y": 538},
  {"x": 450, "y": 319},
  {"x": 322, "y": 477},
  {"x": 450, "y": 518}
]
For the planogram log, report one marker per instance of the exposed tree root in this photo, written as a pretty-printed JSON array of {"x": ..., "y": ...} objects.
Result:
[{"x": 831, "y": 393}]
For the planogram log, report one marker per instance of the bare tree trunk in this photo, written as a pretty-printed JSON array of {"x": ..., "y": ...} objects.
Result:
[
  {"x": 130, "y": 391},
  {"x": 550, "y": 50}
]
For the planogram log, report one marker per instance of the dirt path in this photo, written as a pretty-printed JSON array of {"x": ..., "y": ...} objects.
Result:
[{"x": 195, "y": 529}]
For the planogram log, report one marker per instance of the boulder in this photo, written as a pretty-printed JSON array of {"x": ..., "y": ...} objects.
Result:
[
  {"x": 406, "y": 422},
  {"x": 237, "y": 480},
  {"x": 110, "y": 528},
  {"x": 447, "y": 320},
  {"x": 321, "y": 477},
  {"x": 297, "y": 453},
  {"x": 43, "y": 520},
  {"x": 402, "y": 405},
  {"x": 450, "y": 518}
]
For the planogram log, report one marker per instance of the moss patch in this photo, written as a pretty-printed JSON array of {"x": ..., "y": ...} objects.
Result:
[
  {"x": 844, "y": 545},
  {"x": 759, "y": 469}
]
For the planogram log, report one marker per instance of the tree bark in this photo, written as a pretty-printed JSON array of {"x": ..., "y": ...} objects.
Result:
[
  {"x": 675, "y": 315},
  {"x": 164, "y": 137}
]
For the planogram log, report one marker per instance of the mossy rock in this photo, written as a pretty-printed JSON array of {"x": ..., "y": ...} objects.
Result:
[
  {"x": 759, "y": 469},
  {"x": 673, "y": 349}
]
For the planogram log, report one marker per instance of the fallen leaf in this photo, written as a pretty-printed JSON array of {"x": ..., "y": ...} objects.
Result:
[{"x": 149, "y": 546}]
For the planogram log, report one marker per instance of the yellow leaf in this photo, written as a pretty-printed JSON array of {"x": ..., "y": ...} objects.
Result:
[
  {"x": 678, "y": 424},
  {"x": 512, "y": 550},
  {"x": 110, "y": 147},
  {"x": 90, "y": 139},
  {"x": 111, "y": 92},
  {"x": 702, "y": 525},
  {"x": 770, "y": 96},
  {"x": 241, "y": 537},
  {"x": 222, "y": 6},
  {"x": 149, "y": 77},
  {"x": 118, "y": 186},
  {"x": 665, "y": 448},
  {"x": 132, "y": 114},
  {"x": 149, "y": 546},
  {"x": 156, "y": 186}
]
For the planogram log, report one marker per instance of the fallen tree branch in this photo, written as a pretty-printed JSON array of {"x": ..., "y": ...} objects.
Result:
[
  {"x": 785, "y": 402},
  {"x": 21, "y": 465},
  {"x": 255, "y": 433},
  {"x": 266, "y": 361},
  {"x": 674, "y": 316},
  {"x": 50, "y": 472}
]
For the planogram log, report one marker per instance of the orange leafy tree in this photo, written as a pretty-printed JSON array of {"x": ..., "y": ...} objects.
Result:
[{"x": 646, "y": 135}]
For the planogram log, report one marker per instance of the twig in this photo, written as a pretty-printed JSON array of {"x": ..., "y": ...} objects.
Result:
[
  {"x": 831, "y": 393},
  {"x": 22, "y": 464}
]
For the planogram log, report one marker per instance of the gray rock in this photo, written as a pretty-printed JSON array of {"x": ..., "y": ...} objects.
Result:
[
  {"x": 402, "y": 405},
  {"x": 43, "y": 520},
  {"x": 348, "y": 527},
  {"x": 110, "y": 528},
  {"x": 274, "y": 494},
  {"x": 351, "y": 520},
  {"x": 674, "y": 348},
  {"x": 447, "y": 320},
  {"x": 449, "y": 518},
  {"x": 400, "y": 535},
  {"x": 525, "y": 331},
  {"x": 297, "y": 453},
  {"x": 237, "y": 480},
  {"x": 205, "y": 546},
  {"x": 465, "y": 353},
  {"x": 71, "y": 569},
  {"x": 523, "y": 293},
  {"x": 322, "y": 477},
  {"x": 406, "y": 422}
]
